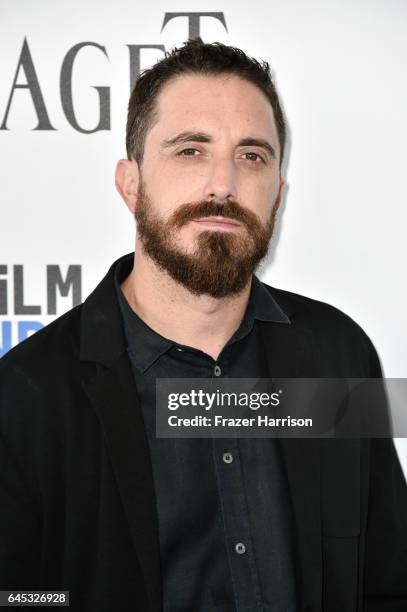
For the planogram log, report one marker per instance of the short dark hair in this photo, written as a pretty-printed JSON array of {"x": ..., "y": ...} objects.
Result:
[{"x": 194, "y": 57}]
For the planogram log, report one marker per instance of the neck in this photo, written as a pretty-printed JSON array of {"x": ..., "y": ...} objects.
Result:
[{"x": 171, "y": 310}]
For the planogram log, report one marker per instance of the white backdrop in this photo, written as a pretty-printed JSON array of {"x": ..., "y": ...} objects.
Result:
[{"x": 340, "y": 70}]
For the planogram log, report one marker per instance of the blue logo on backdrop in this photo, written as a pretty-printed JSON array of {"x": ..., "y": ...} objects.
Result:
[{"x": 13, "y": 331}]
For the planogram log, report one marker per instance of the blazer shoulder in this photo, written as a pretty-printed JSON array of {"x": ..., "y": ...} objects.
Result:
[
  {"x": 58, "y": 341},
  {"x": 334, "y": 331},
  {"x": 315, "y": 313}
]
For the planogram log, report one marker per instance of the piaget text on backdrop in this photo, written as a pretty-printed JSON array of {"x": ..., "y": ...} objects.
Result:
[{"x": 26, "y": 63}]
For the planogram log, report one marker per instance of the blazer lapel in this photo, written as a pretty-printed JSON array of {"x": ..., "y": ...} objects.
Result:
[
  {"x": 302, "y": 464},
  {"x": 289, "y": 352},
  {"x": 114, "y": 397},
  {"x": 113, "y": 394}
]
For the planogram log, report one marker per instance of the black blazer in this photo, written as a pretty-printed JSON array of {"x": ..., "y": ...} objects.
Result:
[{"x": 77, "y": 502}]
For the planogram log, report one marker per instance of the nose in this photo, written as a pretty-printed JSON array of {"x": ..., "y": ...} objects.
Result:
[{"x": 220, "y": 181}]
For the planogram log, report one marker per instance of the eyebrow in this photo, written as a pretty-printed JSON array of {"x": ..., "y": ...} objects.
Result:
[{"x": 202, "y": 137}]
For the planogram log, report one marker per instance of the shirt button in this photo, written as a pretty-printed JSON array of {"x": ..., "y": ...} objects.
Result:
[
  {"x": 227, "y": 457},
  {"x": 240, "y": 548},
  {"x": 217, "y": 371}
]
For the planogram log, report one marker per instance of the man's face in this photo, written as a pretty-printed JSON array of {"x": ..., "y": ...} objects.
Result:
[{"x": 209, "y": 183}]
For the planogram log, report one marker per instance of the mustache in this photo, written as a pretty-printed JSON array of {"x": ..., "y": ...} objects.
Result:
[{"x": 196, "y": 210}]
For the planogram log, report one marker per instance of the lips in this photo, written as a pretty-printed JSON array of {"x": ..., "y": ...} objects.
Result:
[{"x": 218, "y": 221}]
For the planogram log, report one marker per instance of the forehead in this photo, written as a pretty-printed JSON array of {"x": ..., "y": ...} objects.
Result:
[{"x": 221, "y": 103}]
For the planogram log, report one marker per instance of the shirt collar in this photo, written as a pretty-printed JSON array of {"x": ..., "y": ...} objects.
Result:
[
  {"x": 143, "y": 343},
  {"x": 261, "y": 306}
]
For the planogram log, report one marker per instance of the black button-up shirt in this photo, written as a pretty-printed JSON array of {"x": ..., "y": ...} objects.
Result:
[{"x": 224, "y": 515}]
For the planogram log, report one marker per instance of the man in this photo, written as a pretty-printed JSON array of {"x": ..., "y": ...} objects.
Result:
[{"x": 91, "y": 500}]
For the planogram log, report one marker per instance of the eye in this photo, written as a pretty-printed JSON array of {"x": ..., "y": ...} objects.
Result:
[
  {"x": 254, "y": 155},
  {"x": 188, "y": 152}
]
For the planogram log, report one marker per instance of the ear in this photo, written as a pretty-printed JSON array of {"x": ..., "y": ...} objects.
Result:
[
  {"x": 127, "y": 177},
  {"x": 279, "y": 195}
]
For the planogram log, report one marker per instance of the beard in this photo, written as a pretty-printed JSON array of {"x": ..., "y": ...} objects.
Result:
[{"x": 222, "y": 262}]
